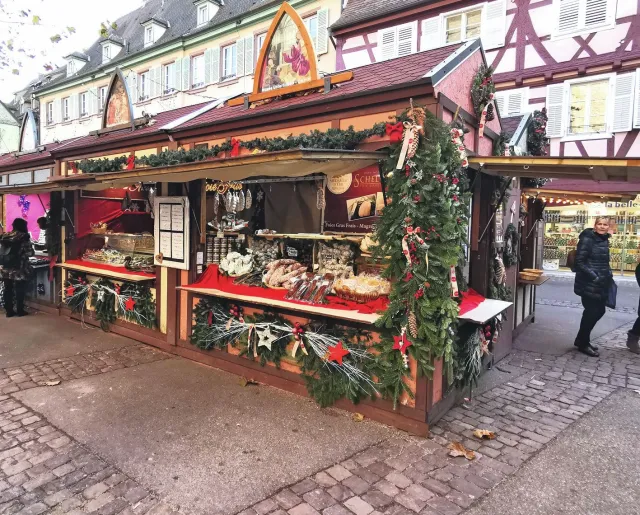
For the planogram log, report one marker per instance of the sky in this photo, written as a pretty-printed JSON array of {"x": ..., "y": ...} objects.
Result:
[{"x": 84, "y": 16}]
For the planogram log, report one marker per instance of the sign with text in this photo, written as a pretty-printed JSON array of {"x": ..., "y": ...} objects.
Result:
[
  {"x": 354, "y": 201},
  {"x": 171, "y": 232}
]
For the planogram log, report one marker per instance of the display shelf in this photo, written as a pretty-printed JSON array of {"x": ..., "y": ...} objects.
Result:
[
  {"x": 107, "y": 271},
  {"x": 311, "y": 236},
  {"x": 535, "y": 282},
  {"x": 487, "y": 309},
  {"x": 341, "y": 314}
]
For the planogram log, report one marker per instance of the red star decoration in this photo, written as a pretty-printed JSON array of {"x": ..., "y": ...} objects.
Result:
[
  {"x": 401, "y": 343},
  {"x": 130, "y": 304},
  {"x": 337, "y": 352},
  {"x": 69, "y": 291}
]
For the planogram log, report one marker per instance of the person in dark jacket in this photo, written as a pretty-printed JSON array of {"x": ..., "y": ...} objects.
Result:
[
  {"x": 593, "y": 277},
  {"x": 634, "y": 334},
  {"x": 15, "y": 279}
]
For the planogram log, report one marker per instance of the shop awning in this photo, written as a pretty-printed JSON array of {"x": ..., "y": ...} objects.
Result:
[
  {"x": 289, "y": 163},
  {"x": 71, "y": 183},
  {"x": 593, "y": 168}
]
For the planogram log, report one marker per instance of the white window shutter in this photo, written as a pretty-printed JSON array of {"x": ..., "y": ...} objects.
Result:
[
  {"x": 386, "y": 43},
  {"x": 494, "y": 24},
  {"x": 556, "y": 108},
  {"x": 207, "y": 66},
  {"x": 499, "y": 97},
  {"x": 407, "y": 39},
  {"x": 131, "y": 86},
  {"x": 93, "y": 101},
  {"x": 186, "y": 74},
  {"x": 568, "y": 15},
  {"x": 622, "y": 116},
  {"x": 240, "y": 58},
  {"x": 57, "y": 111},
  {"x": 597, "y": 13},
  {"x": 323, "y": 35},
  {"x": 74, "y": 106},
  {"x": 430, "y": 33},
  {"x": 515, "y": 102},
  {"x": 154, "y": 82},
  {"x": 248, "y": 55},
  {"x": 177, "y": 75},
  {"x": 215, "y": 64},
  {"x": 636, "y": 110}
]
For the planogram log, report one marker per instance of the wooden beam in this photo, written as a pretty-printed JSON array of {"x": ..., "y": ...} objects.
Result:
[{"x": 599, "y": 173}]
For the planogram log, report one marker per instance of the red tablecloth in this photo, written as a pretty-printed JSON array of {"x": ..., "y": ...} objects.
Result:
[
  {"x": 471, "y": 299},
  {"x": 109, "y": 268},
  {"x": 212, "y": 278}
]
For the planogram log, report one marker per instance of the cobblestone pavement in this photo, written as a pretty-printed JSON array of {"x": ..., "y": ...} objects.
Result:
[
  {"x": 413, "y": 475},
  {"x": 43, "y": 470},
  {"x": 571, "y": 304},
  {"x": 29, "y": 376}
]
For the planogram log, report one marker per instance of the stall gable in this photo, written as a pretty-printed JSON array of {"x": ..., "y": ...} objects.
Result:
[
  {"x": 28, "y": 133},
  {"x": 119, "y": 109}
]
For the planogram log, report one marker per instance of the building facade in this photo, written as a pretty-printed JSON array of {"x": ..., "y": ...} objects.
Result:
[
  {"x": 173, "y": 53},
  {"x": 9, "y": 130},
  {"x": 577, "y": 58}
]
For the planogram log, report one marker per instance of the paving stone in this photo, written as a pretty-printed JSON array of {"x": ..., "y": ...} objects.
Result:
[
  {"x": 304, "y": 486},
  {"x": 459, "y": 498},
  {"x": 338, "y": 472},
  {"x": 444, "y": 506},
  {"x": 358, "y": 506},
  {"x": 366, "y": 474},
  {"x": 379, "y": 468},
  {"x": 397, "y": 479},
  {"x": 357, "y": 485},
  {"x": 324, "y": 479},
  {"x": 410, "y": 502},
  {"x": 303, "y": 509},
  {"x": 99, "y": 502},
  {"x": 318, "y": 499},
  {"x": 113, "y": 507},
  {"x": 287, "y": 499},
  {"x": 377, "y": 499},
  {"x": 466, "y": 487},
  {"x": 58, "y": 497},
  {"x": 135, "y": 494},
  {"x": 480, "y": 482},
  {"x": 337, "y": 509},
  {"x": 266, "y": 506},
  {"x": 419, "y": 492},
  {"x": 34, "y": 509}
]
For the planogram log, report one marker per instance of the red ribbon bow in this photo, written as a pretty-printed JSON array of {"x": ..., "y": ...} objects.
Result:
[
  {"x": 235, "y": 147},
  {"x": 395, "y": 132},
  {"x": 131, "y": 162}
]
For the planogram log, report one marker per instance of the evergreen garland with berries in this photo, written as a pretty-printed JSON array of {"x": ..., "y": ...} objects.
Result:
[
  {"x": 537, "y": 140},
  {"x": 482, "y": 91},
  {"x": 428, "y": 201},
  {"x": 103, "y": 301},
  {"x": 76, "y": 292},
  {"x": 143, "y": 311}
]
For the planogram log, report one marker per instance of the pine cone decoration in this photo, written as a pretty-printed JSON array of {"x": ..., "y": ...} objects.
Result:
[
  {"x": 413, "y": 325},
  {"x": 491, "y": 114}
]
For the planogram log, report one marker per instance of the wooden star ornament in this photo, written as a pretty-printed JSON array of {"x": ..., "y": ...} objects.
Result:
[
  {"x": 337, "y": 352},
  {"x": 401, "y": 342},
  {"x": 129, "y": 304},
  {"x": 265, "y": 338}
]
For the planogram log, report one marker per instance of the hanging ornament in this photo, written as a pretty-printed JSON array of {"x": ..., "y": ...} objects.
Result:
[
  {"x": 69, "y": 292},
  {"x": 336, "y": 353},
  {"x": 401, "y": 343},
  {"x": 409, "y": 143},
  {"x": 298, "y": 332},
  {"x": 456, "y": 137},
  {"x": 210, "y": 318},
  {"x": 101, "y": 296},
  {"x": 24, "y": 204},
  {"x": 394, "y": 131},
  {"x": 413, "y": 324},
  {"x": 260, "y": 195},
  {"x": 235, "y": 147},
  {"x": 228, "y": 201},
  {"x": 216, "y": 203},
  {"x": 265, "y": 338},
  {"x": 501, "y": 271},
  {"x": 412, "y": 234},
  {"x": 130, "y": 304},
  {"x": 321, "y": 201},
  {"x": 241, "y": 201},
  {"x": 131, "y": 162},
  {"x": 248, "y": 199}
]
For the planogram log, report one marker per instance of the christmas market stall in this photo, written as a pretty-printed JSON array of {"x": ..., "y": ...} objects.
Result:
[{"x": 320, "y": 234}]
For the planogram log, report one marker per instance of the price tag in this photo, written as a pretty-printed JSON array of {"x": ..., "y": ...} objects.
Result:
[{"x": 220, "y": 234}]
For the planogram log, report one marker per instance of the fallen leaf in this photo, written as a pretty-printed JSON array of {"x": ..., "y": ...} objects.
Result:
[
  {"x": 457, "y": 449},
  {"x": 358, "y": 417},
  {"x": 484, "y": 434},
  {"x": 246, "y": 382},
  {"x": 50, "y": 383}
]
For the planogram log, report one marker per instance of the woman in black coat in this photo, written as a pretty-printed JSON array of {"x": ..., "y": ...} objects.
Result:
[
  {"x": 15, "y": 277},
  {"x": 593, "y": 277}
]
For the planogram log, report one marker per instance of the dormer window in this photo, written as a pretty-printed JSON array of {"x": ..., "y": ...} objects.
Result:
[
  {"x": 75, "y": 62},
  {"x": 205, "y": 11},
  {"x": 110, "y": 48},
  {"x": 106, "y": 53},
  {"x": 71, "y": 68},
  {"x": 153, "y": 30}
]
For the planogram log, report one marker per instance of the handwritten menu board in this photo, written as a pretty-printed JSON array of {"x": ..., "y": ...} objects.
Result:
[{"x": 172, "y": 232}]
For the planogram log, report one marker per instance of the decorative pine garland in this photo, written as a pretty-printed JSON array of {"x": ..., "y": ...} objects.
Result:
[
  {"x": 103, "y": 301},
  {"x": 510, "y": 251},
  {"x": 77, "y": 291},
  {"x": 339, "y": 139},
  {"x": 482, "y": 91}
]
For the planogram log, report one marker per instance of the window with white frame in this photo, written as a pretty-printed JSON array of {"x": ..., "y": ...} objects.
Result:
[
  {"x": 66, "y": 113},
  {"x": 102, "y": 97},
  {"x": 588, "y": 106},
  {"x": 144, "y": 86},
  {"x": 168, "y": 78},
  {"x": 311, "y": 23},
  {"x": 229, "y": 62},
  {"x": 106, "y": 52},
  {"x": 397, "y": 41},
  {"x": 575, "y": 16},
  {"x": 462, "y": 26},
  {"x": 148, "y": 35},
  {"x": 259, "y": 44},
  {"x": 49, "y": 113},
  {"x": 71, "y": 67},
  {"x": 203, "y": 14},
  {"x": 84, "y": 103},
  {"x": 197, "y": 71}
]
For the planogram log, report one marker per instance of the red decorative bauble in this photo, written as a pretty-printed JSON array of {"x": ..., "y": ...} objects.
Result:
[
  {"x": 130, "y": 304},
  {"x": 70, "y": 291},
  {"x": 337, "y": 352}
]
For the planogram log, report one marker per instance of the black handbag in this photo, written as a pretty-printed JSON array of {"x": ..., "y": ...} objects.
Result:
[{"x": 612, "y": 293}]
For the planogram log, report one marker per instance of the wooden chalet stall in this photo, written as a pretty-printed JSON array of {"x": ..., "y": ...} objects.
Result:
[{"x": 190, "y": 173}]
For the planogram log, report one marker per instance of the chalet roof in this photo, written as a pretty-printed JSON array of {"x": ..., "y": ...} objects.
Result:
[
  {"x": 179, "y": 15},
  {"x": 510, "y": 124},
  {"x": 77, "y": 55},
  {"x": 358, "y": 11},
  {"x": 367, "y": 79},
  {"x": 12, "y": 161}
]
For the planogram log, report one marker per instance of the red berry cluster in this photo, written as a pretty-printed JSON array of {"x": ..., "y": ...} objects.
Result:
[
  {"x": 408, "y": 277},
  {"x": 419, "y": 294},
  {"x": 235, "y": 311},
  {"x": 455, "y": 180},
  {"x": 298, "y": 330},
  {"x": 455, "y": 198},
  {"x": 431, "y": 231},
  {"x": 439, "y": 177},
  {"x": 487, "y": 332},
  {"x": 416, "y": 198},
  {"x": 413, "y": 252}
]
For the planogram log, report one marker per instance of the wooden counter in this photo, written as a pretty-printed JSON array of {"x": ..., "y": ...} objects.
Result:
[{"x": 125, "y": 275}]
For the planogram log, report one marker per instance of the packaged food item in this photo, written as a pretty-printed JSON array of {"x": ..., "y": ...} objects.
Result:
[
  {"x": 311, "y": 288},
  {"x": 336, "y": 258},
  {"x": 362, "y": 289},
  {"x": 301, "y": 250},
  {"x": 264, "y": 252},
  {"x": 279, "y": 273}
]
